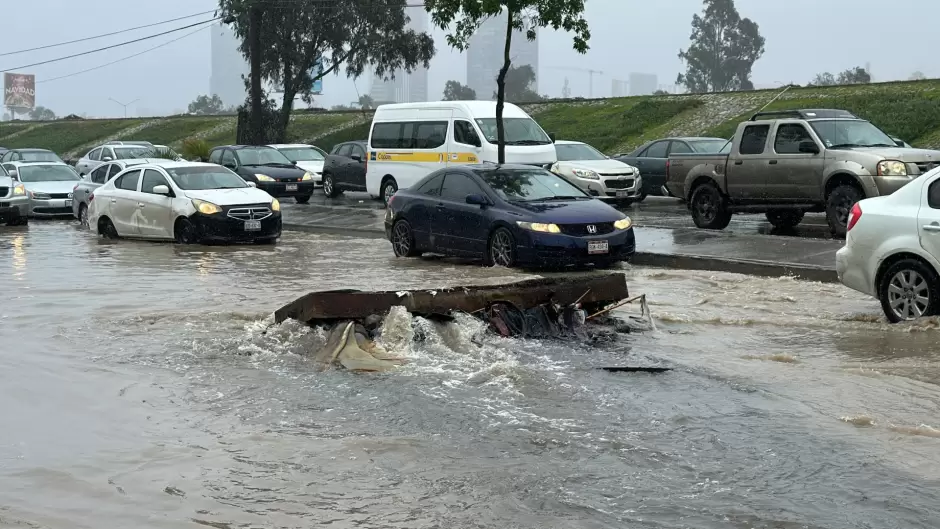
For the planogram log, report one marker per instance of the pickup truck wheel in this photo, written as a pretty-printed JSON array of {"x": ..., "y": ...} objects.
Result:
[
  {"x": 785, "y": 218},
  {"x": 838, "y": 206},
  {"x": 709, "y": 210}
]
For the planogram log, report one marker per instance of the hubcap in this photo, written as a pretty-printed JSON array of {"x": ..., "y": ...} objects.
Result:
[
  {"x": 501, "y": 252},
  {"x": 328, "y": 185},
  {"x": 402, "y": 242},
  {"x": 389, "y": 191},
  {"x": 908, "y": 295},
  {"x": 83, "y": 216},
  {"x": 707, "y": 209}
]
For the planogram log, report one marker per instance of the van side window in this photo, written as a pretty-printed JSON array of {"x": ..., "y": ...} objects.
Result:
[
  {"x": 464, "y": 133},
  {"x": 754, "y": 139},
  {"x": 409, "y": 135},
  {"x": 430, "y": 134},
  {"x": 387, "y": 136}
]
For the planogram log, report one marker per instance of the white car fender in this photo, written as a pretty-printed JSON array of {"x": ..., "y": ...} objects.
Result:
[{"x": 906, "y": 242}]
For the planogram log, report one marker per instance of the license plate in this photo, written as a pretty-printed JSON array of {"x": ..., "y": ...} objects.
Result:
[
  {"x": 595, "y": 247},
  {"x": 68, "y": 203},
  {"x": 623, "y": 193},
  {"x": 252, "y": 225},
  {"x": 292, "y": 187}
]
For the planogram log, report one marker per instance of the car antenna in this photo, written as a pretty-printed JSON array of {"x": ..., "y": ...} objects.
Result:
[{"x": 761, "y": 109}]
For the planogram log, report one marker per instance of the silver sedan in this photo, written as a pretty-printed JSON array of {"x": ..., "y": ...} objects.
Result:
[{"x": 49, "y": 186}]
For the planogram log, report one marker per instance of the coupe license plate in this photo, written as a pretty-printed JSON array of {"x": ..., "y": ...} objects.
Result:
[
  {"x": 623, "y": 193},
  {"x": 292, "y": 187},
  {"x": 595, "y": 247},
  {"x": 68, "y": 203},
  {"x": 254, "y": 225}
]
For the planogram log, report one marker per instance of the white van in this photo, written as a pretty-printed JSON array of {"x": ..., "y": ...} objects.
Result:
[{"x": 410, "y": 140}]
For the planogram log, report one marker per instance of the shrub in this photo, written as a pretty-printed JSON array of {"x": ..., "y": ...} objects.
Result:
[{"x": 196, "y": 149}]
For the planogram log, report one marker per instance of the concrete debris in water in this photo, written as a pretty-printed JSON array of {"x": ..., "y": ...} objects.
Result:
[{"x": 350, "y": 346}]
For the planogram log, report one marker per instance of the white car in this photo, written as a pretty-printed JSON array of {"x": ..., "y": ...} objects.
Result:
[
  {"x": 892, "y": 249},
  {"x": 310, "y": 158},
  {"x": 189, "y": 202},
  {"x": 596, "y": 173},
  {"x": 112, "y": 151}
]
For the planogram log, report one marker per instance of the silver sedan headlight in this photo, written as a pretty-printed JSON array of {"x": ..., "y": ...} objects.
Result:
[{"x": 584, "y": 173}]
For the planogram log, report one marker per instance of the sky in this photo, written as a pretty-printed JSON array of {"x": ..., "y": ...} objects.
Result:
[{"x": 804, "y": 37}]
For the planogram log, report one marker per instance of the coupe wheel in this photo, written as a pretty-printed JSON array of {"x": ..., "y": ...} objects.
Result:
[
  {"x": 304, "y": 199},
  {"x": 909, "y": 290},
  {"x": 185, "y": 232},
  {"x": 502, "y": 249},
  {"x": 403, "y": 240},
  {"x": 709, "y": 210}
]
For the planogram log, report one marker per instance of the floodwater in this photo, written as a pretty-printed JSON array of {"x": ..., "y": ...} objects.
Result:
[{"x": 140, "y": 389}]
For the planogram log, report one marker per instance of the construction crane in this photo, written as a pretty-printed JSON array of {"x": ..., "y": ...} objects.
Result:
[{"x": 589, "y": 71}]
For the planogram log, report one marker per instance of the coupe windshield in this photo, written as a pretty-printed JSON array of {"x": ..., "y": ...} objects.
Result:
[
  {"x": 128, "y": 153},
  {"x": 47, "y": 173},
  {"x": 519, "y": 131},
  {"x": 836, "y": 133},
  {"x": 577, "y": 151},
  {"x": 303, "y": 154},
  {"x": 707, "y": 146},
  {"x": 530, "y": 185},
  {"x": 39, "y": 156},
  {"x": 205, "y": 177},
  {"x": 262, "y": 156}
]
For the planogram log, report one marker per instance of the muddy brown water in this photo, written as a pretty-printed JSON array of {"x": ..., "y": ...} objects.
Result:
[{"x": 139, "y": 390}]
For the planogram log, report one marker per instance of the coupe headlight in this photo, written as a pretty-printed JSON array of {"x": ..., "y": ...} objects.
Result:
[
  {"x": 206, "y": 208},
  {"x": 538, "y": 226},
  {"x": 892, "y": 168},
  {"x": 264, "y": 178},
  {"x": 623, "y": 223},
  {"x": 19, "y": 190},
  {"x": 584, "y": 173},
  {"x": 307, "y": 176},
  {"x": 275, "y": 205}
]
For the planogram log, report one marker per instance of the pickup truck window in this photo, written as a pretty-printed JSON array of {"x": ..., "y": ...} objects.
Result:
[
  {"x": 837, "y": 133},
  {"x": 656, "y": 150},
  {"x": 680, "y": 147},
  {"x": 789, "y": 136},
  {"x": 754, "y": 139}
]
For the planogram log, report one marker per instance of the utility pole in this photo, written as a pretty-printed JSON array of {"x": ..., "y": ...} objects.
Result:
[
  {"x": 255, "y": 122},
  {"x": 125, "y": 105}
]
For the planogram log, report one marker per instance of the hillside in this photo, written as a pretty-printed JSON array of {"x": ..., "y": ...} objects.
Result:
[{"x": 909, "y": 110}]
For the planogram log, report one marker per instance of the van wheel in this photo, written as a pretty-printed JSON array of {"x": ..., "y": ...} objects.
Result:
[
  {"x": 389, "y": 187},
  {"x": 709, "y": 208}
]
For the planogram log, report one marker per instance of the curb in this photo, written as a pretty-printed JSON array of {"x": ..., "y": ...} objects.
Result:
[{"x": 651, "y": 259}]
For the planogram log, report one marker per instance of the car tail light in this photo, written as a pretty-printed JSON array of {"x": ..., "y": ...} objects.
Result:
[
  {"x": 854, "y": 215},
  {"x": 91, "y": 197},
  {"x": 667, "y": 169},
  {"x": 390, "y": 199}
]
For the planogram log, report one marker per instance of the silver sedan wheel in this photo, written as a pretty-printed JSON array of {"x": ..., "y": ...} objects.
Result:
[{"x": 908, "y": 295}]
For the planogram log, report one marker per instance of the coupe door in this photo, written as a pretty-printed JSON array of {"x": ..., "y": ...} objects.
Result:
[
  {"x": 459, "y": 227},
  {"x": 155, "y": 212},
  {"x": 123, "y": 204},
  {"x": 421, "y": 210}
]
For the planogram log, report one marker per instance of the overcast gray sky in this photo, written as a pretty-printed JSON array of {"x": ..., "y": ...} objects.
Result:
[{"x": 803, "y": 37}]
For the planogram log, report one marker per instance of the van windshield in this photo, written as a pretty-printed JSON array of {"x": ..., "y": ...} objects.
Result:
[{"x": 519, "y": 131}]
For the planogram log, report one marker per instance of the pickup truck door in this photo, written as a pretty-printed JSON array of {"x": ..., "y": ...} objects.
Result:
[
  {"x": 747, "y": 166},
  {"x": 792, "y": 175}
]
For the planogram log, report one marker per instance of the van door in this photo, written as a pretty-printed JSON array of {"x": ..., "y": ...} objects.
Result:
[{"x": 466, "y": 145}]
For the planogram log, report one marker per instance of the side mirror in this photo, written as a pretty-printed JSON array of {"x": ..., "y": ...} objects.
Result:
[
  {"x": 13, "y": 174},
  {"x": 107, "y": 159},
  {"x": 356, "y": 157},
  {"x": 899, "y": 143},
  {"x": 809, "y": 147},
  {"x": 161, "y": 190},
  {"x": 251, "y": 184},
  {"x": 551, "y": 136},
  {"x": 477, "y": 200},
  {"x": 229, "y": 166}
]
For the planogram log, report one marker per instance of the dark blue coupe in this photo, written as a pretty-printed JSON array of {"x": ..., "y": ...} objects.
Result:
[{"x": 510, "y": 215}]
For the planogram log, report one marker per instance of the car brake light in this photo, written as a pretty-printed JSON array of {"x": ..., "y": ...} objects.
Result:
[
  {"x": 854, "y": 215},
  {"x": 390, "y": 199},
  {"x": 667, "y": 169},
  {"x": 91, "y": 197}
]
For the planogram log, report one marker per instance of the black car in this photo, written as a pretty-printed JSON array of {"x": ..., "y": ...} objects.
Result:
[
  {"x": 651, "y": 157},
  {"x": 267, "y": 168},
  {"x": 345, "y": 168},
  {"x": 510, "y": 215},
  {"x": 30, "y": 155}
]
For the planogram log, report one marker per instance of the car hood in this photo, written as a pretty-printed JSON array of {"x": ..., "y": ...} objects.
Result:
[
  {"x": 6, "y": 181},
  {"x": 600, "y": 166},
  {"x": 572, "y": 212},
  {"x": 898, "y": 153},
  {"x": 275, "y": 172},
  {"x": 231, "y": 197},
  {"x": 310, "y": 165},
  {"x": 65, "y": 186}
]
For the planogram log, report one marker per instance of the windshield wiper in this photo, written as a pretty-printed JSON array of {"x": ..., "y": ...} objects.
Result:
[
  {"x": 557, "y": 197},
  {"x": 843, "y": 145},
  {"x": 527, "y": 142}
]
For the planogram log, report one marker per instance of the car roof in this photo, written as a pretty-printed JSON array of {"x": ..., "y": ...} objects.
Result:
[
  {"x": 239, "y": 147},
  {"x": 31, "y": 149},
  {"x": 569, "y": 142},
  {"x": 17, "y": 163},
  {"x": 173, "y": 164},
  {"x": 291, "y": 145}
]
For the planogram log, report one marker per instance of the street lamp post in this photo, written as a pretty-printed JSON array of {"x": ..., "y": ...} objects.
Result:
[{"x": 125, "y": 105}]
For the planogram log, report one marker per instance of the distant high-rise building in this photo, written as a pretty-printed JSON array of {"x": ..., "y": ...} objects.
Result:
[
  {"x": 485, "y": 56},
  {"x": 228, "y": 66},
  {"x": 642, "y": 84},
  {"x": 405, "y": 87},
  {"x": 619, "y": 88}
]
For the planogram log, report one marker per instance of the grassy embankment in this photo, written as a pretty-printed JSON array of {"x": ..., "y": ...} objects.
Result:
[{"x": 910, "y": 110}]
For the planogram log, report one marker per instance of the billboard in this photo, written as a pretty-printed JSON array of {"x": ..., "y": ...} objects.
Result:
[{"x": 19, "y": 90}]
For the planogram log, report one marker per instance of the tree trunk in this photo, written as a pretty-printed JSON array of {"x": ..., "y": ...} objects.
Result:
[
  {"x": 501, "y": 93},
  {"x": 287, "y": 103},
  {"x": 255, "y": 119}
]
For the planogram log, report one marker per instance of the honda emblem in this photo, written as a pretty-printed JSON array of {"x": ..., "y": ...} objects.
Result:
[{"x": 591, "y": 228}]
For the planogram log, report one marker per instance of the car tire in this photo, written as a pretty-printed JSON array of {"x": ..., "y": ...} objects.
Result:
[
  {"x": 403, "y": 240},
  {"x": 185, "y": 232},
  {"x": 389, "y": 187},
  {"x": 501, "y": 249},
  {"x": 642, "y": 196},
  {"x": 83, "y": 215},
  {"x": 303, "y": 199},
  {"x": 329, "y": 186},
  {"x": 838, "y": 206},
  {"x": 709, "y": 208},
  {"x": 905, "y": 282},
  {"x": 18, "y": 221},
  {"x": 784, "y": 219},
  {"x": 107, "y": 229}
]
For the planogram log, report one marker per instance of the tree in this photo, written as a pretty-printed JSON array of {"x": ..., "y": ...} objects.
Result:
[
  {"x": 206, "y": 106},
  {"x": 305, "y": 41},
  {"x": 660, "y": 92},
  {"x": 41, "y": 114},
  {"x": 454, "y": 91},
  {"x": 521, "y": 15},
  {"x": 519, "y": 81},
  {"x": 566, "y": 90},
  {"x": 723, "y": 51},
  {"x": 366, "y": 102},
  {"x": 857, "y": 75},
  {"x": 917, "y": 76},
  {"x": 823, "y": 79}
]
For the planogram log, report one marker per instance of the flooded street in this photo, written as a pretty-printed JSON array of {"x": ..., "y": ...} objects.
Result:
[{"x": 144, "y": 385}]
